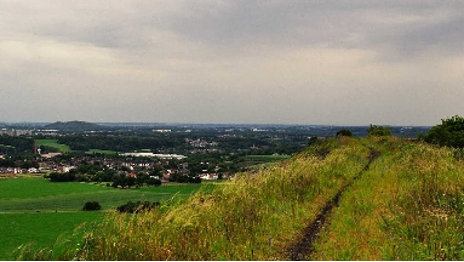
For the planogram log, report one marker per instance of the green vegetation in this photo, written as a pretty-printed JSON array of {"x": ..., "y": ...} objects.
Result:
[
  {"x": 38, "y": 230},
  {"x": 253, "y": 217},
  {"x": 449, "y": 133},
  {"x": 91, "y": 206},
  {"x": 44, "y": 214},
  {"x": 344, "y": 132},
  {"x": 268, "y": 157},
  {"x": 379, "y": 131},
  {"x": 53, "y": 143},
  {"x": 100, "y": 151},
  {"x": 407, "y": 204},
  {"x": 38, "y": 194}
]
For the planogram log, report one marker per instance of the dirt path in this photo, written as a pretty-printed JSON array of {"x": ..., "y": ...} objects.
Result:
[{"x": 303, "y": 249}]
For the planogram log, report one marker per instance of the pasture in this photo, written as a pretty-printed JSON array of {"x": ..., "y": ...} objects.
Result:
[
  {"x": 53, "y": 143},
  {"x": 37, "y": 211}
]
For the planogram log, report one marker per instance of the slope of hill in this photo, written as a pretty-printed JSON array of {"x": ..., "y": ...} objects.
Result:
[
  {"x": 375, "y": 199},
  {"x": 75, "y": 126}
]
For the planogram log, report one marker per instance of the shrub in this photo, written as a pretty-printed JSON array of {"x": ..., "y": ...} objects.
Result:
[
  {"x": 449, "y": 133},
  {"x": 344, "y": 132},
  {"x": 91, "y": 206},
  {"x": 379, "y": 131}
]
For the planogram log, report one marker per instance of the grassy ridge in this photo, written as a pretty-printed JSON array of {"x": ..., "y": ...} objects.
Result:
[{"x": 409, "y": 206}]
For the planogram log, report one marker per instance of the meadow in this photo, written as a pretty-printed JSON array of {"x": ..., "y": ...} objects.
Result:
[
  {"x": 37, "y": 211},
  {"x": 53, "y": 143}
]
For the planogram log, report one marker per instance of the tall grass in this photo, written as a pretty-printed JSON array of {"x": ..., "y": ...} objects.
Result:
[
  {"x": 255, "y": 217},
  {"x": 409, "y": 206}
]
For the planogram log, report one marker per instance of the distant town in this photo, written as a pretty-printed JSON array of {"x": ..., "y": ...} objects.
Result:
[{"x": 125, "y": 155}]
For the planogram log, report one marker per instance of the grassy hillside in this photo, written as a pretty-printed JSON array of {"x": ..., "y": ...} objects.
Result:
[{"x": 404, "y": 204}]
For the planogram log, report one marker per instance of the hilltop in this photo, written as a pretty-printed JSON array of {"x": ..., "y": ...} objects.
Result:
[
  {"x": 378, "y": 198},
  {"x": 75, "y": 126}
]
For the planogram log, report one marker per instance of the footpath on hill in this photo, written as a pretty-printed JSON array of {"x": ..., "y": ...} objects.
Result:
[{"x": 302, "y": 250}]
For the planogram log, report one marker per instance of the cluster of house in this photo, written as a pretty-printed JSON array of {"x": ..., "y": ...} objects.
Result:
[
  {"x": 133, "y": 165},
  {"x": 200, "y": 143}
]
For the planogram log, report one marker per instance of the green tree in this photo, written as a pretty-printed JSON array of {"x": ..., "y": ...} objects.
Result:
[
  {"x": 375, "y": 130},
  {"x": 344, "y": 132},
  {"x": 449, "y": 133}
]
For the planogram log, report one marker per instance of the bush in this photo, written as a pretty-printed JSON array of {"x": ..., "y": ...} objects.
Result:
[
  {"x": 449, "y": 133},
  {"x": 344, "y": 132},
  {"x": 379, "y": 131},
  {"x": 91, "y": 206}
]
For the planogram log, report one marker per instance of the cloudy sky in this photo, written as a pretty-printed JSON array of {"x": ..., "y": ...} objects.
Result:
[{"x": 293, "y": 62}]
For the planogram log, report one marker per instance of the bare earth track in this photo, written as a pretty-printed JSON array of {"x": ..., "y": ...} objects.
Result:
[{"x": 302, "y": 249}]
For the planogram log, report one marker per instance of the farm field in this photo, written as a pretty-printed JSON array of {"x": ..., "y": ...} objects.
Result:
[
  {"x": 35, "y": 210},
  {"x": 53, "y": 143}
]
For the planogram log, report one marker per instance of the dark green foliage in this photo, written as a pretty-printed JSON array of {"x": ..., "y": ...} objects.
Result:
[
  {"x": 344, "y": 132},
  {"x": 14, "y": 145},
  {"x": 91, "y": 206},
  {"x": 62, "y": 177},
  {"x": 139, "y": 206},
  {"x": 449, "y": 133},
  {"x": 375, "y": 130}
]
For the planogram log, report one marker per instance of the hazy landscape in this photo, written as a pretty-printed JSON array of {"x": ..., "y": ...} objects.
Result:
[{"x": 231, "y": 130}]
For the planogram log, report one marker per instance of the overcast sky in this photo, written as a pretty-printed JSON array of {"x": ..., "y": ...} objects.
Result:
[{"x": 291, "y": 62}]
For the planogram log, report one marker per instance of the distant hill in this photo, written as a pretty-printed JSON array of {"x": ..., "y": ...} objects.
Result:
[{"x": 75, "y": 126}]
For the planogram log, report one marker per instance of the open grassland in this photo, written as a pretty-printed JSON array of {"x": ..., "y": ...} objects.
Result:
[
  {"x": 407, "y": 204},
  {"x": 37, "y": 211},
  {"x": 39, "y": 230},
  {"x": 53, "y": 143}
]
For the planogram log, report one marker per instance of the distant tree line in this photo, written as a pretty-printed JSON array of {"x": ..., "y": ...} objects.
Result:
[
  {"x": 113, "y": 178},
  {"x": 16, "y": 145}
]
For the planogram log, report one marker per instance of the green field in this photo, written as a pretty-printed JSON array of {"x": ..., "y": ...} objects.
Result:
[
  {"x": 53, "y": 143},
  {"x": 37, "y": 210},
  {"x": 39, "y": 229}
]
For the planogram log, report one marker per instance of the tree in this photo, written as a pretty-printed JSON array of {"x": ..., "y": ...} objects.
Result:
[
  {"x": 449, "y": 133},
  {"x": 344, "y": 132},
  {"x": 379, "y": 130}
]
